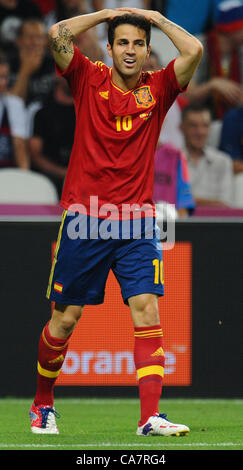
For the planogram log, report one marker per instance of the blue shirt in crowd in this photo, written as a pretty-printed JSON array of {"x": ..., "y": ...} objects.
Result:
[
  {"x": 192, "y": 15},
  {"x": 232, "y": 134}
]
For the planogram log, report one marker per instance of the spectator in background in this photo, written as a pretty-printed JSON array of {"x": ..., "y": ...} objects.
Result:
[
  {"x": 232, "y": 137},
  {"x": 53, "y": 133},
  {"x": 171, "y": 179},
  {"x": 12, "y": 13},
  {"x": 210, "y": 170},
  {"x": 218, "y": 80},
  {"x": 32, "y": 67},
  {"x": 13, "y": 152}
]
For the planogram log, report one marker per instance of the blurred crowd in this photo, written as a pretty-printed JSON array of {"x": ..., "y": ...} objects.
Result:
[{"x": 200, "y": 150}]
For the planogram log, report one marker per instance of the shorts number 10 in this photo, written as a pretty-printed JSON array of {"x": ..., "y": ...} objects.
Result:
[{"x": 158, "y": 271}]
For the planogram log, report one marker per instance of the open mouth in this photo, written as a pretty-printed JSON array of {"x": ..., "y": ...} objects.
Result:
[{"x": 129, "y": 62}]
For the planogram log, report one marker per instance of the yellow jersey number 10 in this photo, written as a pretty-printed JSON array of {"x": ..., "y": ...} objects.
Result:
[{"x": 123, "y": 123}]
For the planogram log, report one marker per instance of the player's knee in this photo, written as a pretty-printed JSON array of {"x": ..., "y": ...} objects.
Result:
[
  {"x": 146, "y": 312},
  {"x": 150, "y": 314},
  {"x": 66, "y": 318},
  {"x": 68, "y": 323}
]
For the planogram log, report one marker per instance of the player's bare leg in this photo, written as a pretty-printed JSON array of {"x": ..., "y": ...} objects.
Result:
[
  {"x": 64, "y": 319},
  {"x": 53, "y": 346},
  {"x": 144, "y": 309},
  {"x": 149, "y": 362}
]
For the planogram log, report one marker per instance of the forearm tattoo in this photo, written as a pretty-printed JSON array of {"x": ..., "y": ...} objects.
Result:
[
  {"x": 165, "y": 22},
  {"x": 63, "y": 41}
]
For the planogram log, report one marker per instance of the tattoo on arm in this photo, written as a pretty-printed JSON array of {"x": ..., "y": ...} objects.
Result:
[
  {"x": 165, "y": 22},
  {"x": 63, "y": 41}
]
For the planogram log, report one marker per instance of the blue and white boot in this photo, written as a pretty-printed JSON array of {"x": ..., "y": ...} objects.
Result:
[{"x": 158, "y": 425}]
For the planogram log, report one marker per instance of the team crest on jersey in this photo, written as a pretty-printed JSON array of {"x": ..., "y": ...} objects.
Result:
[{"x": 143, "y": 97}]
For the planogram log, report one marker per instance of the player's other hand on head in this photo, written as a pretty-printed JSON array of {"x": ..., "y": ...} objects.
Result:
[
  {"x": 116, "y": 12},
  {"x": 137, "y": 11}
]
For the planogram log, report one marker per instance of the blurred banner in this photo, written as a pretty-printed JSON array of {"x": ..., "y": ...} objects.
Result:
[
  {"x": 101, "y": 347},
  {"x": 201, "y": 316}
]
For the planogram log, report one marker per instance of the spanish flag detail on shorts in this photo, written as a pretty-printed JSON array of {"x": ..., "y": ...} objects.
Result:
[{"x": 58, "y": 287}]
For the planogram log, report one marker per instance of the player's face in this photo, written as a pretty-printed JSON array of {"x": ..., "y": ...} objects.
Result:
[{"x": 129, "y": 50}]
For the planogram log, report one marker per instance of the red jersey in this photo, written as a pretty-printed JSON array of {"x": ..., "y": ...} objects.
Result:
[{"x": 116, "y": 134}]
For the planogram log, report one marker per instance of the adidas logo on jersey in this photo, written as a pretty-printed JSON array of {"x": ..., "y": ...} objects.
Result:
[{"x": 104, "y": 94}]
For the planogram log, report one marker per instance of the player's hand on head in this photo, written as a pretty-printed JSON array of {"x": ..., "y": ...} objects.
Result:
[
  {"x": 113, "y": 13},
  {"x": 148, "y": 14}
]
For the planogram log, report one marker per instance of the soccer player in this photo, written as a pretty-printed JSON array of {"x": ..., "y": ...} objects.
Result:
[{"x": 119, "y": 113}]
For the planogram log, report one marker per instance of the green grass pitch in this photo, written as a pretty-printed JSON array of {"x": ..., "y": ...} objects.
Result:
[{"x": 103, "y": 424}]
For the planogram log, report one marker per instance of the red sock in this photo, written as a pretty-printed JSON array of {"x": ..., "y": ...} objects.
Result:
[
  {"x": 149, "y": 362},
  {"x": 52, "y": 352}
]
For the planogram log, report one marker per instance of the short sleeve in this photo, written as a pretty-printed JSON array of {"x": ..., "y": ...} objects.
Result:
[
  {"x": 76, "y": 72},
  {"x": 168, "y": 87}
]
